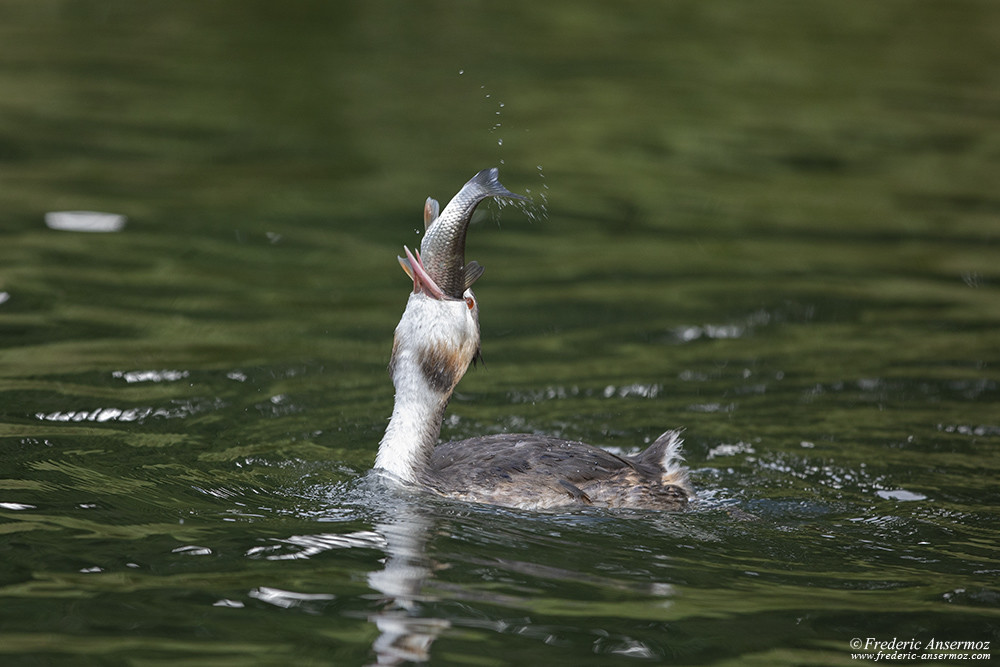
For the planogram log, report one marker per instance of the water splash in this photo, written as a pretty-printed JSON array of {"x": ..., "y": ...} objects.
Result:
[
  {"x": 535, "y": 208},
  {"x": 529, "y": 207}
]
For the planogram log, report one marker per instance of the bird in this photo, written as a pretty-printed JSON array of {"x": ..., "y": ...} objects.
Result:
[{"x": 434, "y": 344}]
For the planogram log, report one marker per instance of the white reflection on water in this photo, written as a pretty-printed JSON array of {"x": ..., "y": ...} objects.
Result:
[
  {"x": 728, "y": 449},
  {"x": 180, "y": 410},
  {"x": 686, "y": 334},
  {"x": 192, "y": 550},
  {"x": 635, "y": 390},
  {"x": 965, "y": 429},
  {"x": 287, "y": 599},
  {"x": 16, "y": 506},
  {"x": 307, "y": 546},
  {"x": 900, "y": 494},
  {"x": 150, "y": 376},
  {"x": 405, "y": 635},
  {"x": 84, "y": 221},
  {"x": 414, "y": 606}
]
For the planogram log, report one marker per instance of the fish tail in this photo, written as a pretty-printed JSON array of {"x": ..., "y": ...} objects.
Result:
[{"x": 487, "y": 184}]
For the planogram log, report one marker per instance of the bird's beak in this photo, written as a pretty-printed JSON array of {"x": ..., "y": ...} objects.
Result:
[{"x": 422, "y": 282}]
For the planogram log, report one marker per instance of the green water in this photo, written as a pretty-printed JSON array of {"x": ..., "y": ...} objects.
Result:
[{"x": 775, "y": 224}]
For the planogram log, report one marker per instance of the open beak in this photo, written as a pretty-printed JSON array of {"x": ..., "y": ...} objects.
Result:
[{"x": 422, "y": 282}]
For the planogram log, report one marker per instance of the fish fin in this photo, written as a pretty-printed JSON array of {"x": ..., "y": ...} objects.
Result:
[
  {"x": 431, "y": 210},
  {"x": 405, "y": 263},
  {"x": 473, "y": 272}
]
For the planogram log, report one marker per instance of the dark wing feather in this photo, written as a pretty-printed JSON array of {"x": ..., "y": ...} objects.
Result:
[
  {"x": 485, "y": 461},
  {"x": 531, "y": 471}
]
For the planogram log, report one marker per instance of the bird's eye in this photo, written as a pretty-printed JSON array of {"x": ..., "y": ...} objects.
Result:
[{"x": 470, "y": 302}]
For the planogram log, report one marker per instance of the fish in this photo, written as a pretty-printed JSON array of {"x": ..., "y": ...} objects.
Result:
[{"x": 442, "y": 251}]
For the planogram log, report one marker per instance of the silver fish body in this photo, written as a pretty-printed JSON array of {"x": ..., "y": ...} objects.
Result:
[{"x": 442, "y": 251}]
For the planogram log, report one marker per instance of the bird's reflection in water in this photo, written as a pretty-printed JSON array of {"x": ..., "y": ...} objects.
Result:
[
  {"x": 404, "y": 634},
  {"x": 407, "y": 591}
]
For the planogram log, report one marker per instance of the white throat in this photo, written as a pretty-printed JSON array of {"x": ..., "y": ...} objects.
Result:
[{"x": 434, "y": 344}]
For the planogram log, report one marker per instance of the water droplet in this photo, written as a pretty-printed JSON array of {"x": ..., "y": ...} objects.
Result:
[
  {"x": 461, "y": 72},
  {"x": 500, "y": 142}
]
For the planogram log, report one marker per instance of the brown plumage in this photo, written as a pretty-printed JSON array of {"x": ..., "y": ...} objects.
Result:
[{"x": 541, "y": 472}]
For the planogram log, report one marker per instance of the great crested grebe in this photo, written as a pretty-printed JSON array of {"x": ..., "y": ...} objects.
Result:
[{"x": 435, "y": 342}]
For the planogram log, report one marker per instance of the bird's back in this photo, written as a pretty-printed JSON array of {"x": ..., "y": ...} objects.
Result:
[{"x": 540, "y": 472}]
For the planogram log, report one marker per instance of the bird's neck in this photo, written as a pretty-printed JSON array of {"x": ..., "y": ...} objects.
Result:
[
  {"x": 409, "y": 440},
  {"x": 434, "y": 343}
]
